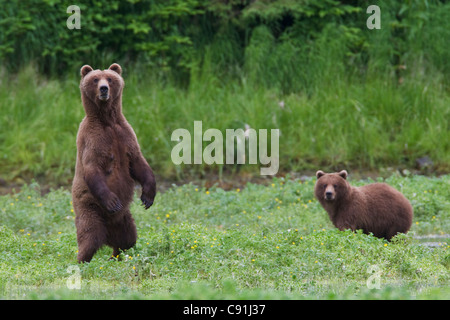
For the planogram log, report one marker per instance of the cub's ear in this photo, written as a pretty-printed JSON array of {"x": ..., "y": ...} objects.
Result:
[
  {"x": 343, "y": 174},
  {"x": 115, "y": 67},
  {"x": 319, "y": 174},
  {"x": 85, "y": 70}
]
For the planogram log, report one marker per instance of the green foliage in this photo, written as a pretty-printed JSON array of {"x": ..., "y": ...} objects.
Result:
[
  {"x": 258, "y": 242},
  {"x": 287, "y": 43},
  {"x": 110, "y": 30},
  {"x": 342, "y": 95}
]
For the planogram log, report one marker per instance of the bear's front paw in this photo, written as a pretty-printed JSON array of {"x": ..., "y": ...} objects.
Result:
[
  {"x": 147, "y": 201},
  {"x": 113, "y": 204}
]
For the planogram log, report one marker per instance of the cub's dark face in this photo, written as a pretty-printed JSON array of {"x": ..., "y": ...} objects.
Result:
[
  {"x": 331, "y": 186},
  {"x": 101, "y": 86}
]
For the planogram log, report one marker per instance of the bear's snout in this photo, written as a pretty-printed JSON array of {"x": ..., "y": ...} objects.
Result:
[
  {"x": 329, "y": 193},
  {"x": 104, "y": 90}
]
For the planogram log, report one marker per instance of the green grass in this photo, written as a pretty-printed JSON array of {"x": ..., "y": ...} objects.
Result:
[
  {"x": 258, "y": 242},
  {"x": 367, "y": 125}
]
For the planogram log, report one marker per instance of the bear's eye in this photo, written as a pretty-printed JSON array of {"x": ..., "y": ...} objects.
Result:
[
  {"x": 109, "y": 80},
  {"x": 324, "y": 186},
  {"x": 95, "y": 80},
  {"x": 335, "y": 186}
]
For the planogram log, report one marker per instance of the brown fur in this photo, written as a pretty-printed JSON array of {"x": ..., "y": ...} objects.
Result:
[
  {"x": 376, "y": 208},
  {"x": 109, "y": 161}
]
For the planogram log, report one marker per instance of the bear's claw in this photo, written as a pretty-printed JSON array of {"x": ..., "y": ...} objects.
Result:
[
  {"x": 147, "y": 203},
  {"x": 114, "y": 205}
]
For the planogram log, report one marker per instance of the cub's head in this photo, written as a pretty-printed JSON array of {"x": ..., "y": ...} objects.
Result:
[
  {"x": 331, "y": 186},
  {"x": 101, "y": 86}
]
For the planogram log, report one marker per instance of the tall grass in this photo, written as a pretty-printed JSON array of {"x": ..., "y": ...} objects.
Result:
[{"x": 373, "y": 124}]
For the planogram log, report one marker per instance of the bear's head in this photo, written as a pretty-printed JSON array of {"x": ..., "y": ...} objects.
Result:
[
  {"x": 331, "y": 187},
  {"x": 101, "y": 86}
]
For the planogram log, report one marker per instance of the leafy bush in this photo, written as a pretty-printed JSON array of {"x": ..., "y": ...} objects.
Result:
[{"x": 286, "y": 43}]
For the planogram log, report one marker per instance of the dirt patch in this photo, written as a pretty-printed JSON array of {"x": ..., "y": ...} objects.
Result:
[{"x": 226, "y": 181}]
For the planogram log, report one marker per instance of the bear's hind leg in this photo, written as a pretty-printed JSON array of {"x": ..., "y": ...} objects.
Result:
[
  {"x": 88, "y": 246},
  {"x": 91, "y": 235},
  {"x": 123, "y": 234}
]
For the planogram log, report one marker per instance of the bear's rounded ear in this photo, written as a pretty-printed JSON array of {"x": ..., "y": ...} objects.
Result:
[
  {"x": 115, "y": 67},
  {"x": 319, "y": 174},
  {"x": 343, "y": 174},
  {"x": 85, "y": 70}
]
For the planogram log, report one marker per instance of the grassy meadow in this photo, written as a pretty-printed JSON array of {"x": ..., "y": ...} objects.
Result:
[
  {"x": 373, "y": 102},
  {"x": 258, "y": 242}
]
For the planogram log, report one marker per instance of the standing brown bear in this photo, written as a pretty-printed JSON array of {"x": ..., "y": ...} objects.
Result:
[
  {"x": 109, "y": 161},
  {"x": 376, "y": 208}
]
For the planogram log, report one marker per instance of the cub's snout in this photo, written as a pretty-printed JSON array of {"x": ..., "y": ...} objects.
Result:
[{"x": 329, "y": 195}]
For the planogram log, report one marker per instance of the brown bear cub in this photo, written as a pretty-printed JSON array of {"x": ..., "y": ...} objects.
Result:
[
  {"x": 377, "y": 208},
  {"x": 109, "y": 161}
]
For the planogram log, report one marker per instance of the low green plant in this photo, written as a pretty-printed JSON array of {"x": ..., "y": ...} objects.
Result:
[{"x": 255, "y": 242}]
